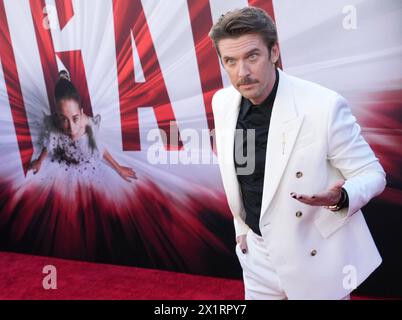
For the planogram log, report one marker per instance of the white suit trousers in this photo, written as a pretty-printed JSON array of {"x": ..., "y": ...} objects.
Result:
[{"x": 261, "y": 281}]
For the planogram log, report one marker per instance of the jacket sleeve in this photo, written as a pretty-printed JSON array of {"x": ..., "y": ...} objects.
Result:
[
  {"x": 240, "y": 226},
  {"x": 351, "y": 154}
]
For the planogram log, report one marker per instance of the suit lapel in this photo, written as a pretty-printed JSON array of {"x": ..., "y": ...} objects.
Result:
[
  {"x": 284, "y": 128},
  {"x": 232, "y": 184}
]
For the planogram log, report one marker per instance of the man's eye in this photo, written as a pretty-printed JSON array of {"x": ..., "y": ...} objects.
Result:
[
  {"x": 253, "y": 57},
  {"x": 230, "y": 62}
]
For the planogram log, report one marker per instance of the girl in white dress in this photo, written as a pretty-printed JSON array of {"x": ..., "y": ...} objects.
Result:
[{"x": 70, "y": 142}]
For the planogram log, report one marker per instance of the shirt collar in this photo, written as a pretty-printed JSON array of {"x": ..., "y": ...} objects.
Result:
[{"x": 246, "y": 104}]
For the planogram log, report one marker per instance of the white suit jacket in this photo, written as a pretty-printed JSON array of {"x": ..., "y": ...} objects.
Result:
[{"x": 313, "y": 141}]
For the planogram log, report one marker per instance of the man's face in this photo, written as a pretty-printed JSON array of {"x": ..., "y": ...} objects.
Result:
[{"x": 249, "y": 65}]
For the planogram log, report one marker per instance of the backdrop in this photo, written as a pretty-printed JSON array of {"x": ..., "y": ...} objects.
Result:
[{"x": 146, "y": 70}]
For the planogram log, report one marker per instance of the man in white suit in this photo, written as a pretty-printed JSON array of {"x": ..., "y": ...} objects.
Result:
[{"x": 297, "y": 193}]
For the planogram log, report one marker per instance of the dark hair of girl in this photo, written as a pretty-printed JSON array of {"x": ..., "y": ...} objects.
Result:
[{"x": 65, "y": 90}]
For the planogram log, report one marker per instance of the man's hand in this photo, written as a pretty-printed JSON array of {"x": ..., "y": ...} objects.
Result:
[
  {"x": 242, "y": 241},
  {"x": 327, "y": 198}
]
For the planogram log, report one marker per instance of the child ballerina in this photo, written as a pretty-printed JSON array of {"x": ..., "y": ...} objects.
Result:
[{"x": 70, "y": 138}]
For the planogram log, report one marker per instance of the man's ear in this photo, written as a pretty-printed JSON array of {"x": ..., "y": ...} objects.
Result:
[
  {"x": 219, "y": 55},
  {"x": 274, "y": 54}
]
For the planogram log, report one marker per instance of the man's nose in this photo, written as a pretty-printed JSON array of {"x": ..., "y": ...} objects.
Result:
[{"x": 243, "y": 71}]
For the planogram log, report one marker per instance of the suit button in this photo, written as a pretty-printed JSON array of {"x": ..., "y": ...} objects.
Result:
[
  {"x": 299, "y": 174},
  {"x": 299, "y": 214},
  {"x": 313, "y": 253}
]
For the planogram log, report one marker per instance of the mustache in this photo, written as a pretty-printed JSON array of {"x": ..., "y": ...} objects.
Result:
[{"x": 245, "y": 81}]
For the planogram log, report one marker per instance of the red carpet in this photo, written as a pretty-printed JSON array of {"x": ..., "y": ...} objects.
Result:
[{"x": 21, "y": 279}]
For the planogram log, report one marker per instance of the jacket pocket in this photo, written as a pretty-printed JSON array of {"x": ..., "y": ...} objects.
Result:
[{"x": 328, "y": 222}]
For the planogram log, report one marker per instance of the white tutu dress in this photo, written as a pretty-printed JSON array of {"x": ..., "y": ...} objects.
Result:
[
  {"x": 80, "y": 160},
  {"x": 71, "y": 165}
]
